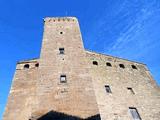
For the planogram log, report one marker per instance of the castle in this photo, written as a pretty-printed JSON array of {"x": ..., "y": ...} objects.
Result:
[{"x": 68, "y": 82}]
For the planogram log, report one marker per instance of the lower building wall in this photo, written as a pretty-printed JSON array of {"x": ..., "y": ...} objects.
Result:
[{"x": 23, "y": 101}]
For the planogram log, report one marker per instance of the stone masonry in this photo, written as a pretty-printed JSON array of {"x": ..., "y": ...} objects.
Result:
[{"x": 94, "y": 87}]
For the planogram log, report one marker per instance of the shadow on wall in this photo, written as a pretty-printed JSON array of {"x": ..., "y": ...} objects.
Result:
[{"x": 53, "y": 115}]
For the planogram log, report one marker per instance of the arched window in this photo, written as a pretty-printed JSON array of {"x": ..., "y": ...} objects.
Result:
[
  {"x": 134, "y": 67},
  {"x": 108, "y": 64},
  {"x": 95, "y": 63},
  {"x": 26, "y": 66},
  {"x": 37, "y": 65},
  {"x": 121, "y": 66}
]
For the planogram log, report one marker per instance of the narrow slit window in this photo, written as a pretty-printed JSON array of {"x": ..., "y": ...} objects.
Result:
[
  {"x": 108, "y": 64},
  {"x": 108, "y": 89},
  {"x": 95, "y": 63},
  {"x": 130, "y": 90},
  {"x": 121, "y": 66},
  {"x": 134, "y": 67},
  {"x": 63, "y": 79},
  {"x": 61, "y": 50},
  {"x": 134, "y": 113},
  {"x": 26, "y": 66}
]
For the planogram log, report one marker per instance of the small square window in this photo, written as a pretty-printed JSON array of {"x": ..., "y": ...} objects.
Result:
[
  {"x": 63, "y": 79},
  {"x": 61, "y": 50},
  {"x": 108, "y": 64},
  {"x": 134, "y": 67},
  {"x": 26, "y": 66},
  {"x": 95, "y": 63},
  {"x": 37, "y": 65},
  {"x": 131, "y": 90},
  {"x": 134, "y": 112},
  {"x": 108, "y": 89},
  {"x": 121, "y": 66}
]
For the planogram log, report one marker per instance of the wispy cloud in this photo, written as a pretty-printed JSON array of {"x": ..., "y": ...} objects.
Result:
[
  {"x": 131, "y": 31},
  {"x": 137, "y": 37}
]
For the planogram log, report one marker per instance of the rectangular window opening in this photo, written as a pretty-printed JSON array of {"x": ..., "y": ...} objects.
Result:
[
  {"x": 63, "y": 79},
  {"x": 131, "y": 90},
  {"x": 108, "y": 89},
  {"x": 61, "y": 50},
  {"x": 134, "y": 113}
]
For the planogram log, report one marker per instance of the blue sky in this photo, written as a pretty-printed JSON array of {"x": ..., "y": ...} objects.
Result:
[{"x": 123, "y": 28}]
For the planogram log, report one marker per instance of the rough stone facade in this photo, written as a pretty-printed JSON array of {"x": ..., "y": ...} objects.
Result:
[{"x": 37, "y": 92}]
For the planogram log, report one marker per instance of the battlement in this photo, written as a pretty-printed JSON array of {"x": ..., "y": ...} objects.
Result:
[{"x": 60, "y": 19}]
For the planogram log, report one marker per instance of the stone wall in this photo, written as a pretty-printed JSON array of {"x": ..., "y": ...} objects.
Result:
[
  {"x": 21, "y": 99},
  {"x": 115, "y": 105},
  {"x": 75, "y": 97}
]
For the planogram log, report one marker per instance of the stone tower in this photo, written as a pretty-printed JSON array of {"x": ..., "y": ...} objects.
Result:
[{"x": 68, "y": 82}]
